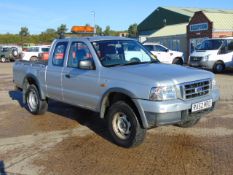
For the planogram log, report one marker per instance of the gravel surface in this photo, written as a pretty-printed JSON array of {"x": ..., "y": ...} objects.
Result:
[{"x": 70, "y": 140}]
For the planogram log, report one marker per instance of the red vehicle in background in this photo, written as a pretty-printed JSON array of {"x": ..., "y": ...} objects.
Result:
[{"x": 43, "y": 56}]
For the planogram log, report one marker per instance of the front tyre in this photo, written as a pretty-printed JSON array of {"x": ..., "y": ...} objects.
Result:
[
  {"x": 218, "y": 67},
  {"x": 34, "y": 103},
  {"x": 124, "y": 126},
  {"x": 178, "y": 61},
  {"x": 34, "y": 58}
]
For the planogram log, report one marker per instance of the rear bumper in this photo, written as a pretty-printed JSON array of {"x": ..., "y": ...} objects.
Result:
[{"x": 171, "y": 112}]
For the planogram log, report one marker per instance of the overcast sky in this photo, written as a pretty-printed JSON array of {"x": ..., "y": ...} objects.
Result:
[{"x": 38, "y": 15}]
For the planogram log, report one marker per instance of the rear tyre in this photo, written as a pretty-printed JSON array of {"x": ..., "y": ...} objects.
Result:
[
  {"x": 178, "y": 61},
  {"x": 218, "y": 67},
  {"x": 34, "y": 103},
  {"x": 135, "y": 60},
  {"x": 124, "y": 126},
  {"x": 33, "y": 58},
  {"x": 188, "y": 124},
  {"x": 15, "y": 52},
  {"x": 3, "y": 59}
]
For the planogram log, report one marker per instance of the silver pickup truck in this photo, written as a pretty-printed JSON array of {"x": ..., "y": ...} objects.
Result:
[{"x": 118, "y": 78}]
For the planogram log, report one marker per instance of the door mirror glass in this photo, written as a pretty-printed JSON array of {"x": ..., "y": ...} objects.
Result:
[
  {"x": 223, "y": 50},
  {"x": 86, "y": 64}
]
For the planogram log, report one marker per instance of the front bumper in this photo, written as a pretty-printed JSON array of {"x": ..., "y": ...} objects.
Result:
[
  {"x": 173, "y": 111},
  {"x": 203, "y": 64}
]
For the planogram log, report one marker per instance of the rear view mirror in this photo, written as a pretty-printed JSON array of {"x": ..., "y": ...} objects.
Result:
[{"x": 86, "y": 64}]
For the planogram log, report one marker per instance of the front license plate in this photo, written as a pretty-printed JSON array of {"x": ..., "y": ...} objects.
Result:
[{"x": 202, "y": 105}]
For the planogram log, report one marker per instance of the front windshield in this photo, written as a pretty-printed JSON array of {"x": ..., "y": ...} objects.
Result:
[
  {"x": 214, "y": 44},
  {"x": 122, "y": 52}
]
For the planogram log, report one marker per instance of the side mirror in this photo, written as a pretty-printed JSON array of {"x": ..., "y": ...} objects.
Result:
[
  {"x": 222, "y": 50},
  {"x": 86, "y": 64}
]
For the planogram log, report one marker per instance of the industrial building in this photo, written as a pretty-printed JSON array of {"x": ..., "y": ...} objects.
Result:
[{"x": 182, "y": 29}]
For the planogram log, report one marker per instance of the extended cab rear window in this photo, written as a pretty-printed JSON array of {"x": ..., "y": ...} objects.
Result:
[{"x": 59, "y": 53}]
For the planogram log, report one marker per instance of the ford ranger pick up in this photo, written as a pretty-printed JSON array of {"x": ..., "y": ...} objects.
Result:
[{"x": 122, "y": 81}]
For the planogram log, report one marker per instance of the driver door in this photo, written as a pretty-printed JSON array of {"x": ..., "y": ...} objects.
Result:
[
  {"x": 162, "y": 53},
  {"x": 80, "y": 87}
]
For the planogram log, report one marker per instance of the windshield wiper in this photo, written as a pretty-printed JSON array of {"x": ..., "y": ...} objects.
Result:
[
  {"x": 146, "y": 62},
  {"x": 131, "y": 63},
  {"x": 113, "y": 65}
]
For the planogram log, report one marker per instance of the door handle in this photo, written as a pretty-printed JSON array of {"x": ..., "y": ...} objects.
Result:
[{"x": 67, "y": 75}]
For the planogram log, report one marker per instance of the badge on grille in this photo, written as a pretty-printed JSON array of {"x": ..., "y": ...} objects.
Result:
[{"x": 198, "y": 89}]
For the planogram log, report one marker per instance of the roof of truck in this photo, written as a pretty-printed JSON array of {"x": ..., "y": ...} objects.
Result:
[{"x": 102, "y": 38}]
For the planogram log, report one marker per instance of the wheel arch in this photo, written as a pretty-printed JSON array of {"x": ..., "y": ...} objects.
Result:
[
  {"x": 33, "y": 56},
  {"x": 216, "y": 62},
  {"x": 116, "y": 94},
  {"x": 178, "y": 57},
  {"x": 219, "y": 61},
  {"x": 31, "y": 79}
]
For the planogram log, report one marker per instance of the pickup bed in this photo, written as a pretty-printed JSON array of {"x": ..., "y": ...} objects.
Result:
[{"x": 118, "y": 78}]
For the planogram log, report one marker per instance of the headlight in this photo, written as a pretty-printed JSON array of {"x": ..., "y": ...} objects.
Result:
[
  {"x": 214, "y": 83},
  {"x": 163, "y": 93},
  {"x": 206, "y": 58}
]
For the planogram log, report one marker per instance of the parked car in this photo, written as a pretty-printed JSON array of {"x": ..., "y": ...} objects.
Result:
[
  {"x": 16, "y": 47},
  {"x": 8, "y": 54},
  {"x": 214, "y": 54},
  {"x": 164, "y": 54},
  {"x": 118, "y": 78},
  {"x": 27, "y": 45},
  {"x": 32, "y": 53}
]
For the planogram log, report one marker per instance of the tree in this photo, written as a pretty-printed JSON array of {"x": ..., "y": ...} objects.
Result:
[
  {"x": 133, "y": 30},
  {"x": 98, "y": 30},
  {"x": 61, "y": 30},
  {"x": 24, "y": 32},
  {"x": 49, "y": 31},
  {"x": 107, "y": 31}
]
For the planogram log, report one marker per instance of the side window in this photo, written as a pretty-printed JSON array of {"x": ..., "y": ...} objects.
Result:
[
  {"x": 230, "y": 46},
  {"x": 160, "y": 48},
  {"x": 36, "y": 49},
  {"x": 78, "y": 51},
  {"x": 149, "y": 47},
  {"x": 59, "y": 53}
]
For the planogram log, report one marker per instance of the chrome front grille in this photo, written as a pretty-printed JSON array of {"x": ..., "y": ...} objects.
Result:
[
  {"x": 196, "y": 89},
  {"x": 195, "y": 59}
]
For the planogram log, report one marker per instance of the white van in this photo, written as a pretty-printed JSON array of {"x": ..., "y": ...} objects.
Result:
[{"x": 215, "y": 54}]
